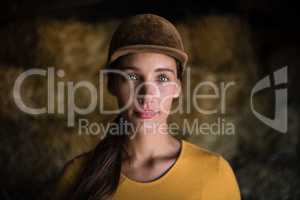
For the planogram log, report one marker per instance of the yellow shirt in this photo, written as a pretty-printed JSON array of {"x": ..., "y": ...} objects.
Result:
[{"x": 197, "y": 174}]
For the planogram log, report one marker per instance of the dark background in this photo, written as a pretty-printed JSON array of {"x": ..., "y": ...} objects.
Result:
[{"x": 236, "y": 40}]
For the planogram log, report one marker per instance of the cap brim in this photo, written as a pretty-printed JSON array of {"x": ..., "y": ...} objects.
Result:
[{"x": 178, "y": 54}]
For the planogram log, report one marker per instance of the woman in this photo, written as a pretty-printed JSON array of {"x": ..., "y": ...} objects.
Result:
[{"x": 146, "y": 162}]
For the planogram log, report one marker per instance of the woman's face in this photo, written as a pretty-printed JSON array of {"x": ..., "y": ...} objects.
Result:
[{"x": 148, "y": 86}]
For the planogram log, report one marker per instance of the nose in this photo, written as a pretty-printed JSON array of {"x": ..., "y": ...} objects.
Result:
[{"x": 147, "y": 93}]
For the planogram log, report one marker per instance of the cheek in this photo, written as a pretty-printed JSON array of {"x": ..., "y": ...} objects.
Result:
[
  {"x": 168, "y": 91},
  {"x": 166, "y": 96}
]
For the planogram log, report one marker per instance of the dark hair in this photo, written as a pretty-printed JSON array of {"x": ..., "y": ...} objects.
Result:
[{"x": 101, "y": 175}]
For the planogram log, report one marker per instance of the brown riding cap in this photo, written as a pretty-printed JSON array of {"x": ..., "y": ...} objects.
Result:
[{"x": 147, "y": 32}]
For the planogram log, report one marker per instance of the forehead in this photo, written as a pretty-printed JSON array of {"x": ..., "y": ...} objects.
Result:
[{"x": 148, "y": 61}]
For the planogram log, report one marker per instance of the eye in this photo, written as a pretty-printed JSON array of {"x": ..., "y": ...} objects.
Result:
[
  {"x": 132, "y": 76},
  {"x": 163, "y": 78}
]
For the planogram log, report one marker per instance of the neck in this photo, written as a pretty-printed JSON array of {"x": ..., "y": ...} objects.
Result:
[{"x": 149, "y": 142}]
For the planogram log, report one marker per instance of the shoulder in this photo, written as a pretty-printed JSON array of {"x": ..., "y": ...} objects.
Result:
[
  {"x": 214, "y": 171},
  {"x": 201, "y": 156}
]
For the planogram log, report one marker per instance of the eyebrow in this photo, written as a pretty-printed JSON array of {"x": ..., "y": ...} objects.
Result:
[{"x": 156, "y": 70}]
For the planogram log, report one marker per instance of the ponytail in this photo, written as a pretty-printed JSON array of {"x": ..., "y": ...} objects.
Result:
[{"x": 100, "y": 178}]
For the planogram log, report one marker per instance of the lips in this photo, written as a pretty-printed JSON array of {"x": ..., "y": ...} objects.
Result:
[{"x": 146, "y": 114}]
